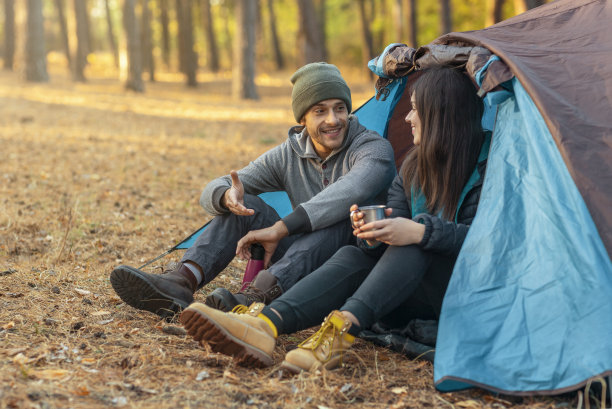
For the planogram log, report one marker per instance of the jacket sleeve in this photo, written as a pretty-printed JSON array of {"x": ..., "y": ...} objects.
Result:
[
  {"x": 261, "y": 175},
  {"x": 447, "y": 237},
  {"x": 441, "y": 236}
]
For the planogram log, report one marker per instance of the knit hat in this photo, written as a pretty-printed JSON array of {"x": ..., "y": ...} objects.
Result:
[{"x": 314, "y": 83}]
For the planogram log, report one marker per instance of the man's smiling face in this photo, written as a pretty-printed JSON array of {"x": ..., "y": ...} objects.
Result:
[{"x": 326, "y": 123}]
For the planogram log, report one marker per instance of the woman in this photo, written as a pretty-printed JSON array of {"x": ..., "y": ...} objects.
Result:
[{"x": 403, "y": 265}]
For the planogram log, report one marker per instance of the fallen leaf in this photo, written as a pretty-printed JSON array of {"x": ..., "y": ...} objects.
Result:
[
  {"x": 469, "y": 404},
  {"x": 81, "y": 291},
  {"x": 15, "y": 351},
  {"x": 398, "y": 390},
  {"x": 81, "y": 391},
  {"x": 8, "y": 325},
  {"x": 20, "y": 359},
  {"x": 101, "y": 312},
  {"x": 227, "y": 374},
  {"x": 202, "y": 375},
  {"x": 50, "y": 374},
  {"x": 173, "y": 330},
  {"x": 88, "y": 361},
  {"x": 104, "y": 322}
]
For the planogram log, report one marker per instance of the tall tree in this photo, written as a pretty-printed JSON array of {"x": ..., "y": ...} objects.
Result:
[
  {"x": 82, "y": 34},
  {"x": 9, "y": 34},
  {"x": 367, "y": 50},
  {"x": 35, "y": 54},
  {"x": 61, "y": 16},
  {"x": 310, "y": 43},
  {"x": 147, "y": 41},
  {"x": 209, "y": 34},
  {"x": 165, "y": 22},
  {"x": 110, "y": 32},
  {"x": 494, "y": 12},
  {"x": 321, "y": 7},
  {"x": 278, "y": 55},
  {"x": 410, "y": 16},
  {"x": 446, "y": 16},
  {"x": 227, "y": 35},
  {"x": 530, "y": 4},
  {"x": 132, "y": 33},
  {"x": 187, "y": 55},
  {"x": 243, "y": 78}
]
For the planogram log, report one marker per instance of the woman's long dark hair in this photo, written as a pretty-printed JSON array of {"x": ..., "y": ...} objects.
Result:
[{"x": 451, "y": 137}]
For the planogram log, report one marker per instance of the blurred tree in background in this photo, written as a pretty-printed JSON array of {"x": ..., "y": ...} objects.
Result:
[{"x": 196, "y": 36}]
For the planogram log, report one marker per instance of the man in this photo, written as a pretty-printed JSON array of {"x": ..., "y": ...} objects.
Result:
[{"x": 327, "y": 163}]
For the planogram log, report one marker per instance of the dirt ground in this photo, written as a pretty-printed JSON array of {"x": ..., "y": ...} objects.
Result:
[{"x": 92, "y": 177}]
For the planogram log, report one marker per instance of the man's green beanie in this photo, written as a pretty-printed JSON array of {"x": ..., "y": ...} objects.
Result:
[{"x": 314, "y": 83}]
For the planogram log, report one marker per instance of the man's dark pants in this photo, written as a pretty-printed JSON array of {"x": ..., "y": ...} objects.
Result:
[{"x": 295, "y": 257}]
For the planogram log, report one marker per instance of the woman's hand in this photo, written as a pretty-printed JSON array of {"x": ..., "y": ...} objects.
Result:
[{"x": 395, "y": 232}]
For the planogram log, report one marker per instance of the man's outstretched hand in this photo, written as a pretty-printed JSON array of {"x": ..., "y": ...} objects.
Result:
[
  {"x": 268, "y": 238},
  {"x": 233, "y": 198}
]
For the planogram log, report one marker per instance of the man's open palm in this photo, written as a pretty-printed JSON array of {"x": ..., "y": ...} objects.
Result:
[{"x": 234, "y": 197}]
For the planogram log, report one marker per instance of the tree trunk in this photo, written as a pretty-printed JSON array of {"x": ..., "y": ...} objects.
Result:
[
  {"x": 61, "y": 16},
  {"x": 321, "y": 19},
  {"x": 243, "y": 76},
  {"x": 494, "y": 12},
  {"x": 148, "y": 62},
  {"x": 36, "y": 57},
  {"x": 132, "y": 32},
  {"x": 367, "y": 51},
  {"x": 111, "y": 34},
  {"x": 225, "y": 15},
  {"x": 446, "y": 15},
  {"x": 187, "y": 55},
  {"x": 410, "y": 16},
  {"x": 278, "y": 55},
  {"x": 165, "y": 21},
  {"x": 80, "y": 59},
  {"x": 211, "y": 39},
  {"x": 519, "y": 7},
  {"x": 309, "y": 35},
  {"x": 9, "y": 34},
  {"x": 530, "y": 4}
]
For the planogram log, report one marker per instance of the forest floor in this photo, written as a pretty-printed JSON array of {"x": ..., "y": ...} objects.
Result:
[{"x": 93, "y": 176}]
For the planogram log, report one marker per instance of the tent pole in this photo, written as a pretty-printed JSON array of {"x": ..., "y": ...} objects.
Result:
[{"x": 157, "y": 258}]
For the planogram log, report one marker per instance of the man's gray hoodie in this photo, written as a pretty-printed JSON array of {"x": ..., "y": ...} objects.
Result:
[{"x": 320, "y": 191}]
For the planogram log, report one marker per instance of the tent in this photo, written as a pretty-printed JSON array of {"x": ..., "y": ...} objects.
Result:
[{"x": 528, "y": 307}]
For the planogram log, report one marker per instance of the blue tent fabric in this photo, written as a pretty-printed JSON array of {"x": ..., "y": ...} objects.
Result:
[
  {"x": 528, "y": 306},
  {"x": 278, "y": 200}
]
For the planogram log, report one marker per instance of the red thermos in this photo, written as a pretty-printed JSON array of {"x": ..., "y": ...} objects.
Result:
[{"x": 254, "y": 266}]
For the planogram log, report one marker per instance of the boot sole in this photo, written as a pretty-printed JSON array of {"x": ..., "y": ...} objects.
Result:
[
  {"x": 136, "y": 290},
  {"x": 204, "y": 329}
]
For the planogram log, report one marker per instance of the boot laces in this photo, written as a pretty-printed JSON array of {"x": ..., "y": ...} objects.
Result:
[
  {"x": 240, "y": 309},
  {"x": 323, "y": 338}
]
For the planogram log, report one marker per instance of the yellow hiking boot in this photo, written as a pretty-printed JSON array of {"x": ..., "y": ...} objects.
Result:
[
  {"x": 239, "y": 333},
  {"x": 324, "y": 349}
]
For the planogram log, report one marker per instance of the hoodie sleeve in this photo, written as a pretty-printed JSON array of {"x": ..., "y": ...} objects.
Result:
[
  {"x": 372, "y": 170},
  {"x": 261, "y": 175}
]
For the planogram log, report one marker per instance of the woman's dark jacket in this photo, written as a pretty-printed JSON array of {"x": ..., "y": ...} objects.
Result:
[{"x": 441, "y": 236}]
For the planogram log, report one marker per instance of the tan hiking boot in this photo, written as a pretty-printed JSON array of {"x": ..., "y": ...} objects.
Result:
[
  {"x": 239, "y": 333},
  {"x": 324, "y": 349}
]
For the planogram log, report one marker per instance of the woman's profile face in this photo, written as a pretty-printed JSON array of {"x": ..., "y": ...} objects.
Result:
[{"x": 415, "y": 122}]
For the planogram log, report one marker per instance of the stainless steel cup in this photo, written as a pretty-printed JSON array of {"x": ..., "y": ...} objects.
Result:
[{"x": 373, "y": 213}]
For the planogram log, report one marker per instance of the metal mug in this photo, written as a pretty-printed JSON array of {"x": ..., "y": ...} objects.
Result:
[{"x": 373, "y": 213}]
